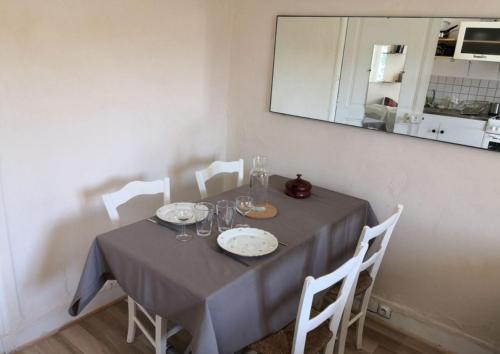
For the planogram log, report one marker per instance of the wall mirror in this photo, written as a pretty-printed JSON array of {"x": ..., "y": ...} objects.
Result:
[{"x": 431, "y": 78}]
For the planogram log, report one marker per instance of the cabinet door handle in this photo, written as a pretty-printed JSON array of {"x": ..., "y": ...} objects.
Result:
[
  {"x": 441, "y": 132},
  {"x": 433, "y": 130}
]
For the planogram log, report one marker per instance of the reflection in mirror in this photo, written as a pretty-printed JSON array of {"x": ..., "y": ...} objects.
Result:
[
  {"x": 463, "y": 89},
  {"x": 432, "y": 78},
  {"x": 307, "y": 60},
  {"x": 384, "y": 86}
]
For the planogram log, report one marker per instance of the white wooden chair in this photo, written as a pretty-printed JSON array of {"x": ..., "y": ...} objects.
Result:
[
  {"x": 322, "y": 335},
  {"x": 112, "y": 201},
  {"x": 133, "y": 189},
  {"x": 380, "y": 234},
  {"x": 215, "y": 168}
]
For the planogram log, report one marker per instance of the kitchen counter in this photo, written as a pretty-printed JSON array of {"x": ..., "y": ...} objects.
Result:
[{"x": 454, "y": 113}]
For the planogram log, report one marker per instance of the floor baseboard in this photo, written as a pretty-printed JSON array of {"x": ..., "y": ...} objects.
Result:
[
  {"x": 57, "y": 320},
  {"x": 434, "y": 333}
]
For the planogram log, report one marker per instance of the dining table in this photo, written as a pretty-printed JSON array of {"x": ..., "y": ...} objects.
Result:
[{"x": 227, "y": 304}]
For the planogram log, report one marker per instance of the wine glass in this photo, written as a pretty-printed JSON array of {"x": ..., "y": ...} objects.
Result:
[
  {"x": 244, "y": 205},
  {"x": 183, "y": 213}
]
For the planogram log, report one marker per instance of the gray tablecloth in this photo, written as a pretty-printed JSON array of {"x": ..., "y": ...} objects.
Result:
[{"x": 222, "y": 303}]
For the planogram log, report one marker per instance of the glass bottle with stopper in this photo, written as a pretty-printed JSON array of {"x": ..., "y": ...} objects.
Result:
[{"x": 259, "y": 182}]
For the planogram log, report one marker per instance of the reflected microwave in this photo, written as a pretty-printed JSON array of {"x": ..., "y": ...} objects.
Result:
[{"x": 478, "y": 41}]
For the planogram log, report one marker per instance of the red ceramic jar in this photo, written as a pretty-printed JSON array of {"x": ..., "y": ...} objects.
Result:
[{"x": 298, "y": 188}]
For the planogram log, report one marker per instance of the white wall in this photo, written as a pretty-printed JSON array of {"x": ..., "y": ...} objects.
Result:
[
  {"x": 444, "y": 258},
  {"x": 445, "y": 66},
  {"x": 95, "y": 94}
]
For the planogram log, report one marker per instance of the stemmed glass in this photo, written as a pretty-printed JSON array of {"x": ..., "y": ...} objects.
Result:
[
  {"x": 183, "y": 213},
  {"x": 244, "y": 205}
]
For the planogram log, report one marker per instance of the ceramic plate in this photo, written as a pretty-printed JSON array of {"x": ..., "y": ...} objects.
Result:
[
  {"x": 167, "y": 213},
  {"x": 247, "y": 242}
]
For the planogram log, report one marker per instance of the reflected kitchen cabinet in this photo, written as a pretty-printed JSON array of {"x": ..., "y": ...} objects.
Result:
[
  {"x": 468, "y": 132},
  {"x": 428, "y": 128},
  {"x": 456, "y": 130}
]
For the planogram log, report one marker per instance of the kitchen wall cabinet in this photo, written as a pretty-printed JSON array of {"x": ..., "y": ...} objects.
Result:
[{"x": 452, "y": 129}]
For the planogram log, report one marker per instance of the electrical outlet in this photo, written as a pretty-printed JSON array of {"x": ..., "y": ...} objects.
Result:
[{"x": 384, "y": 311}]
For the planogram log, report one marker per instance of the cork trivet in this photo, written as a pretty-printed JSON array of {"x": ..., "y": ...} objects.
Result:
[{"x": 269, "y": 213}]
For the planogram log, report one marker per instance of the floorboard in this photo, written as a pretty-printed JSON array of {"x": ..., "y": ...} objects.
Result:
[{"x": 105, "y": 332}]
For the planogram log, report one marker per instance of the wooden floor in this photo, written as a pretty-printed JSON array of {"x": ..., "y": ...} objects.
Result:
[{"x": 105, "y": 332}]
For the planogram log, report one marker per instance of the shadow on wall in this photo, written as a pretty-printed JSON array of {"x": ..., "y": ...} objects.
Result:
[{"x": 68, "y": 243}]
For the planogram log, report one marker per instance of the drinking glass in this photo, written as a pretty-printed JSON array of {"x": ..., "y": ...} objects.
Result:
[
  {"x": 183, "y": 213},
  {"x": 204, "y": 212},
  {"x": 244, "y": 205},
  {"x": 225, "y": 215}
]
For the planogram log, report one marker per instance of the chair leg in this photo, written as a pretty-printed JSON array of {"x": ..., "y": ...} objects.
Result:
[
  {"x": 359, "y": 331},
  {"x": 190, "y": 351},
  {"x": 344, "y": 327},
  {"x": 344, "y": 322},
  {"x": 330, "y": 346},
  {"x": 131, "y": 322},
  {"x": 160, "y": 335},
  {"x": 361, "y": 321}
]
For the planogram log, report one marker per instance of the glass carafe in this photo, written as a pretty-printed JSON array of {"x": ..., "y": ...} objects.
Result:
[{"x": 259, "y": 181}]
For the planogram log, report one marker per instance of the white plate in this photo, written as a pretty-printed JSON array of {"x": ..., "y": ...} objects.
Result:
[
  {"x": 167, "y": 213},
  {"x": 248, "y": 242}
]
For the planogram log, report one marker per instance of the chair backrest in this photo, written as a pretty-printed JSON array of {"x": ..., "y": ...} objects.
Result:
[
  {"x": 214, "y": 169},
  {"x": 133, "y": 189},
  {"x": 380, "y": 234},
  {"x": 347, "y": 273}
]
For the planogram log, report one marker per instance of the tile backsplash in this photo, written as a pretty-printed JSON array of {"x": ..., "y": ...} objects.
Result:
[{"x": 464, "y": 89}]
